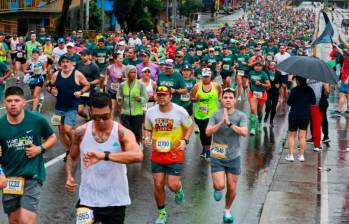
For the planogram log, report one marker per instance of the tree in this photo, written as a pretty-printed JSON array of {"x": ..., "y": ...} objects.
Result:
[
  {"x": 63, "y": 19},
  {"x": 95, "y": 20},
  {"x": 136, "y": 15},
  {"x": 188, "y": 7}
]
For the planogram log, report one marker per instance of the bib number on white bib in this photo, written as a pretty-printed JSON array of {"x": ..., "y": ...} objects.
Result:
[
  {"x": 219, "y": 150},
  {"x": 199, "y": 53},
  {"x": 101, "y": 60},
  {"x": 84, "y": 216},
  {"x": 163, "y": 145},
  {"x": 20, "y": 55},
  {"x": 56, "y": 120},
  {"x": 226, "y": 67},
  {"x": 258, "y": 94},
  {"x": 15, "y": 185},
  {"x": 185, "y": 97},
  {"x": 241, "y": 73},
  {"x": 114, "y": 86},
  {"x": 203, "y": 109}
]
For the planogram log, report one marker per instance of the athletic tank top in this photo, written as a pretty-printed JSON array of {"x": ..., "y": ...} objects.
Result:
[
  {"x": 66, "y": 87},
  {"x": 208, "y": 104},
  {"x": 48, "y": 50},
  {"x": 105, "y": 183}
]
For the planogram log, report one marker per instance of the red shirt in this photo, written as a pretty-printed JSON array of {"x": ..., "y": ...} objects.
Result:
[
  {"x": 345, "y": 69},
  {"x": 170, "y": 50}
]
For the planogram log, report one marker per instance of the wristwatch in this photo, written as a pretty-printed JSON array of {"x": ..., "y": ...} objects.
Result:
[
  {"x": 230, "y": 124},
  {"x": 43, "y": 149},
  {"x": 106, "y": 155}
]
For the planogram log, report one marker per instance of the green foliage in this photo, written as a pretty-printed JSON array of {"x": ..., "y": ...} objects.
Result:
[
  {"x": 136, "y": 15},
  {"x": 95, "y": 20},
  {"x": 189, "y": 6}
]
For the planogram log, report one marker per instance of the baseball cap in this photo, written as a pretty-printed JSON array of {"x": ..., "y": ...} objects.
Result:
[
  {"x": 211, "y": 49},
  {"x": 206, "y": 72},
  {"x": 60, "y": 40},
  {"x": 163, "y": 90},
  {"x": 85, "y": 52},
  {"x": 70, "y": 44},
  {"x": 121, "y": 43},
  {"x": 146, "y": 69},
  {"x": 186, "y": 66},
  {"x": 146, "y": 53},
  {"x": 64, "y": 56},
  {"x": 36, "y": 50},
  {"x": 169, "y": 63},
  {"x": 162, "y": 61}
]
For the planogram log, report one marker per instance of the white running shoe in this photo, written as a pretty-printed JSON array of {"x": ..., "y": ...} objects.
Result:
[
  {"x": 289, "y": 158},
  {"x": 301, "y": 158},
  {"x": 317, "y": 149}
]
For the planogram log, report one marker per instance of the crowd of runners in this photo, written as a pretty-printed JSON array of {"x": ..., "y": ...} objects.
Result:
[{"x": 160, "y": 88}]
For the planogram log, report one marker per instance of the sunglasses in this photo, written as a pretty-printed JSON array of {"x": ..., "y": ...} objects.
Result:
[
  {"x": 178, "y": 56},
  {"x": 163, "y": 89},
  {"x": 98, "y": 117},
  {"x": 146, "y": 71}
]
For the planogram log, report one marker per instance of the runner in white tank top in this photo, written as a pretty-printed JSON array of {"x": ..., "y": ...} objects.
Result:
[{"x": 104, "y": 147}]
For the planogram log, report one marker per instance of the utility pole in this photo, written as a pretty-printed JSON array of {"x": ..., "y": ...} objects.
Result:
[
  {"x": 102, "y": 29},
  {"x": 87, "y": 15},
  {"x": 81, "y": 14}
]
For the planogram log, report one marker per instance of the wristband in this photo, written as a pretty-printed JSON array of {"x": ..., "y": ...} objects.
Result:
[
  {"x": 43, "y": 149},
  {"x": 230, "y": 124}
]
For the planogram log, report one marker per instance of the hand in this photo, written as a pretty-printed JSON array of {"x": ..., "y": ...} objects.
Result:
[
  {"x": 3, "y": 181},
  {"x": 54, "y": 91},
  {"x": 32, "y": 151},
  {"x": 91, "y": 158},
  {"x": 77, "y": 94},
  {"x": 198, "y": 98},
  {"x": 70, "y": 185},
  {"x": 1, "y": 80},
  {"x": 225, "y": 116},
  {"x": 173, "y": 90},
  {"x": 138, "y": 98},
  {"x": 258, "y": 83},
  {"x": 182, "y": 145},
  {"x": 147, "y": 142}
]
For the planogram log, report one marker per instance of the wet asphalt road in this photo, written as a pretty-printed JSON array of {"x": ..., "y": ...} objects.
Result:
[{"x": 259, "y": 154}]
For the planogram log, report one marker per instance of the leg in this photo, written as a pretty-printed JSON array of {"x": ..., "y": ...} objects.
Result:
[
  {"x": 113, "y": 102},
  {"x": 316, "y": 118},
  {"x": 274, "y": 103},
  {"x": 325, "y": 124},
  {"x": 301, "y": 139},
  {"x": 291, "y": 137},
  {"x": 239, "y": 82},
  {"x": 218, "y": 180},
  {"x": 341, "y": 98},
  {"x": 26, "y": 216},
  {"x": 159, "y": 189},
  {"x": 174, "y": 183},
  {"x": 36, "y": 97},
  {"x": 231, "y": 189},
  {"x": 268, "y": 105}
]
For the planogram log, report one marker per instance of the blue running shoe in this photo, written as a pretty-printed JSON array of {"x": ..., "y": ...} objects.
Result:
[
  {"x": 217, "y": 195},
  {"x": 179, "y": 196},
  {"x": 228, "y": 219}
]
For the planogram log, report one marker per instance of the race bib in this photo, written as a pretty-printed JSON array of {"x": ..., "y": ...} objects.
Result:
[
  {"x": 114, "y": 86},
  {"x": 185, "y": 97},
  {"x": 216, "y": 53},
  {"x": 20, "y": 55},
  {"x": 199, "y": 53},
  {"x": 226, "y": 67},
  {"x": 84, "y": 216},
  {"x": 269, "y": 58},
  {"x": 15, "y": 185},
  {"x": 258, "y": 94},
  {"x": 219, "y": 150},
  {"x": 101, "y": 60},
  {"x": 163, "y": 145},
  {"x": 85, "y": 94},
  {"x": 37, "y": 71},
  {"x": 241, "y": 72},
  {"x": 56, "y": 120},
  {"x": 203, "y": 109}
]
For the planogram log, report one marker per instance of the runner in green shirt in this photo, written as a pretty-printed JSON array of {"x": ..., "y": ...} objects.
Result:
[
  {"x": 4, "y": 74},
  {"x": 173, "y": 80},
  {"x": 227, "y": 60},
  {"x": 22, "y": 145},
  {"x": 101, "y": 55},
  {"x": 189, "y": 84},
  {"x": 241, "y": 63}
]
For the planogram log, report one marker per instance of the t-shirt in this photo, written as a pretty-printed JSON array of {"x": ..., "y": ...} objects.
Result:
[
  {"x": 58, "y": 52},
  {"x": 75, "y": 58},
  {"x": 102, "y": 55},
  {"x": 128, "y": 61},
  {"x": 90, "y": 71},
  {"x": 317, "y": 88},
  {"x": 3, "y": 70},
  {"x": 227, "y": 62},
  {"x": 185, "y": 98},
  {"x": 240, "y": 59},
  {"x": 260, "y": 76},
  {"x": 280, "y": 58},
  {"x": 29, "y": 47},
  {"x": 15, "y": 139},
  {"x": 226, "y": 142},
  {"x": 167, "y": 131},
  {"x": 173, "y": 81},
  {"x": 300, "y": 100}
]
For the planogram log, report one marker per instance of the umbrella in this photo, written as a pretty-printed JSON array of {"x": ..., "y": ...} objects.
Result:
[{"x": 308, "y": 67}]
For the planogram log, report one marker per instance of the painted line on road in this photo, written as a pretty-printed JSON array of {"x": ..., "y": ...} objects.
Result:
[
  {"x": 54, "y": 160},
  {"x": 324, "y": 192}
]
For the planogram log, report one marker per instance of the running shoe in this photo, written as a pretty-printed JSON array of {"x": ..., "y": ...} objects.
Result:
[
  {"x": 289, "y": 158},
  {"x": 228, "y": 219},
  {"x": 252, "y": 131},
  {"x": 336, "y": 114},
  {"x": 208, "y": 154},
  {"x": 260, "y": 125},
  {"x": 179, "y": 196},
  {"x": 217, "y": 195},
  {"x": 310, "y": 140},
  {"x": 326, "y": 140},
  {"x": 197, "y": 130},
  {"x": 162, "y": 219},
  {"x": 203, "y": 153},
  {"x": 346, "y": 114},
  {"x": 301, "y": 158},
  {"x": 317, "y": 149}
]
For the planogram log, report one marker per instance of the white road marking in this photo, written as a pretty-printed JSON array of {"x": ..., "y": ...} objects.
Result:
[
  {"x": 54, "y": 160},
  {"x": 324, "y": 191}
]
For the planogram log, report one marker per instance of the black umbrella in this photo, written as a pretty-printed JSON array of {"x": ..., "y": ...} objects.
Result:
[{"x": 308, "y": 67}]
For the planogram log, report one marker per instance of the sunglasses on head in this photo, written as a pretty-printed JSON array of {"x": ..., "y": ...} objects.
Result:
[{"x": 98, "y": 117}]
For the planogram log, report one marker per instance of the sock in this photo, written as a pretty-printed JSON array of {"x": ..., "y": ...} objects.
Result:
[
  {"x": 227, "y": 212},
  {"x": 253, "y": 121},
  {"x": 260, "y": 117},
  {"x": 161, "y": 208}
]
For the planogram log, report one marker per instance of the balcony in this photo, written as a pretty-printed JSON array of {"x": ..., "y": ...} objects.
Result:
[{"x": 15, "y": 5}]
